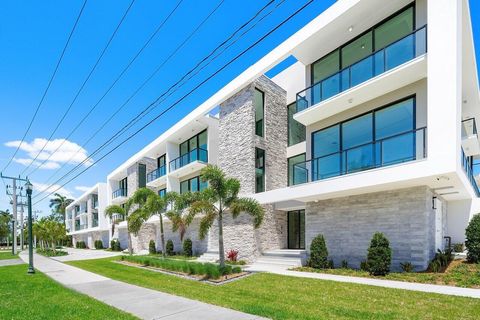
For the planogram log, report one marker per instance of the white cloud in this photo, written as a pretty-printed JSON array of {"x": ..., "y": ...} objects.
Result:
[
  {"x": 68, "y": 153},
  {"x": 82, "y": 188},
  {"x": 42, "y": 187}
]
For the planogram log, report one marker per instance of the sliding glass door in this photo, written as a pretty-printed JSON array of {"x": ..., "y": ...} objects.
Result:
[{"x": 296, "y": 229}]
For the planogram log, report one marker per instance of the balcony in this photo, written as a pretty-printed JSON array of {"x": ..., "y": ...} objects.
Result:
[
  {"x": 396, "y": 149},
  {"x": 468, "y": 167},
  {"x": 189, "y": 162},
  {"x": 399, "y": 64},
  {"x": 119, "y": 196},
  {"x": 157, "y": 177},
  {"x": 470, "y": 142}
]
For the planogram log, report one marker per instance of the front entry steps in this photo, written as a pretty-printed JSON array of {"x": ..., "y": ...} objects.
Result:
[
  {"x": 279, "y": 259},
  {"x": 209, "y": 256}
]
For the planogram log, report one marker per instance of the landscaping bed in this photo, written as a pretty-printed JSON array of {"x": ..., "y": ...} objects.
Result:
[
  {"x": 459, "y": 273},
  {"x": 51, "y": 252},
  {"x": 187, "y": 269}
]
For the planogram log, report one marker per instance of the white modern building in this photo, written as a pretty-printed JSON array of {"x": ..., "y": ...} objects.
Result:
[
  {"x": 372, "y": 129},
  {"x": 85, "y": 218}
]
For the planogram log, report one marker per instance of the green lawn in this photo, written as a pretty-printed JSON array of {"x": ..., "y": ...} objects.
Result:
[
  {"x": 281, "y": 297},
  {"x": 459, "y": 273},
  {"x": 24, "y": 296},
  {"x": 4, "y": 255}
]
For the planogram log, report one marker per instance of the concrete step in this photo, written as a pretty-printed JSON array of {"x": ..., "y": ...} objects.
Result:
[
  {"x": 209, "y": 256},
  {"x": 282, "y": 261},
  {"x": 286, "y": 253}
]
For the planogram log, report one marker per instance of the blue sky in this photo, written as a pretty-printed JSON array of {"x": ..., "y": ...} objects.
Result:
[{"x": 32, "y": 34}]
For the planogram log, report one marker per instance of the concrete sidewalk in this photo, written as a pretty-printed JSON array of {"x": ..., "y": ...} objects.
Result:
[
  {"x": 85, "y": 254},
  {"x": 141, "y": 302},
  {"x": 429, "y": 288},
  {"x": 10, "y": 262}
]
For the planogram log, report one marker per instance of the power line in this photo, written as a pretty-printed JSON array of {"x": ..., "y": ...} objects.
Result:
[
  {"x": 185, "y": 96},
  {"x": 149, "y": 108},
  {"x": 48, "y": 86},
  {"x": 131, "y": 96},
  {"x": 92, "y": 70}
]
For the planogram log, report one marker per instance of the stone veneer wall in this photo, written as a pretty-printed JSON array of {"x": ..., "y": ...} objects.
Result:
[
  {"x": 405, "y": 216},
  {"x": 237, "y": 158}
]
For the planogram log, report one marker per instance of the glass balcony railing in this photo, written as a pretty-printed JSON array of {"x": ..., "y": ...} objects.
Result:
[
  {"x": 94, "y": 223},
  {"x": 399, "y": 148},
  {"x": 119, "y": 193},
  {"x": 401, "y": 51},
  {"x": 197, "y": 154},
  {"x": 468, "y": 167},
  {"x": 157, "y": 173},
  {"x": 469, "y": 128}
]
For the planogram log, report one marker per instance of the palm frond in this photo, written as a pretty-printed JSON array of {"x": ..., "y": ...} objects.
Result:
[
  {"x": 206, "y": 223},
  {"x": 113, "y": 210},
  {"x": 249, "y": 206}
]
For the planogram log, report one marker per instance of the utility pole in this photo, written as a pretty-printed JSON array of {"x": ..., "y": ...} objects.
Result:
[
  {"x": 21, "y": 204},
  {"x": 14, "y": 195}
]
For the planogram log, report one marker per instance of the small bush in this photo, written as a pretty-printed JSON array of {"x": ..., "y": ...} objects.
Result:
[
  {"x": 458, "y": 247},
  {"x": 232, "y": 255},
  {"x": 364, "y": 265},
  {"x": 187, "y": 247},
  {"x": 331, "y": 265},
  {"x": 407, "y": 267},
  {"x": 51, "y": 252},
  {"x": 236, "y": 270},
  {"x": 379, "y": 256},
  {"x": 434, "y": 266},
  {"x": 169, "y": 248},
  {"x": 236, "y": 263},
  {"x": 441, "y": 260},
  {"x": 318, "y": 253},
  {"x": 98, "y": 244},
  {"x": 81, "y": 245},
  {"x": 344, "y": 264},
  {"x": 472, "y": 243},
  {"x": 115, "y": 245},
  {"x": 152, "y": 249}
]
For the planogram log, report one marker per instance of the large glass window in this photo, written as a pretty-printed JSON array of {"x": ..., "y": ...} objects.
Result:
[
  {"x": 161, "y": 161},
  {"x": 142, "y": 175},
  {"x": 193, "y": 149},
  {"x": 259, "y": 101},
  {"x": 193, "y": 185},
  {"x": 296, "y": 130},
  {"x": 381, "y": 137},
  {"x": 122, "y": 184},
  {"x": 378, "y": 37},
  {"x": 292, "y": 161},
  {"x": 162, "y": 192},
  {"x": 259, "y": 170}
]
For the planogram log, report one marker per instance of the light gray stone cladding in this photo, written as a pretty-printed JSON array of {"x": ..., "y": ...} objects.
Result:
[
  {"x": 132, "y": 174},
  {"x": 405, "y": 216},
  {"x": 237, "y": 158}
]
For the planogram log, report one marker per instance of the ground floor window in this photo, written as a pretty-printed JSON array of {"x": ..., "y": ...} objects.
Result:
[
  {"x": 192, "y": 185},
  {"x": 296, "y": 229}
]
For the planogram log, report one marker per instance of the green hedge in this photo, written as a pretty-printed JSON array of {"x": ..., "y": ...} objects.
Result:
[
  {"x": 81, "y": 245},
  {"x": 115, "y": 245},
  {"x": 169, "y": 248},
  {"x": 473, "y": 239},
  {"x": 152, "y": 249},
  {"x": 98, "y": 244},
  {"x": 379, "y": 256},
  {"x": 187, "y": 247},
  {"x": 51, "y": 253},
  {"x": 208, "y": 270},
  {"x": 319, "y": 253}
]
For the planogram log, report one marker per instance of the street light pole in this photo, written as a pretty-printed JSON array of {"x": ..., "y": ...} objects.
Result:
[{"x": 29, "y": 188}]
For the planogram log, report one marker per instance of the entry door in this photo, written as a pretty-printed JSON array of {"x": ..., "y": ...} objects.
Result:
[{"x": 296, "y": 229}]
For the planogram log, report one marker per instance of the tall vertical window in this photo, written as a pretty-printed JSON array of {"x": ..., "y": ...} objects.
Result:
[
  {"x": 296, "y": 130},
  {"x": 122, "y": 184},
  {"x": 259, "y": 170},
  {"x": 195, "y": 148},
  {"x": 292, "y": 161},
  {"x": 161, "y": 161},
  {"x": 162, "y": 192},
  {"x": 192, "y": 185},
  {"x": 259, "y": 101},
  {"x": 142, "y": 175}
]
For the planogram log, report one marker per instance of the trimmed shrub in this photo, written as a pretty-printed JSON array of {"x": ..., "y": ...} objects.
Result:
[
  {"x": 318, "y": 253},
  {"x": 458, "y": 247},
  {"x": 472, "y": 243},
  {"x": 344, "y": 264},
  {"x": 98, "y": 244},
  {"x": 187, "y": 247},
  {"x": 152, "y": 249},
  {"x": 364, "y": 265},
  {"x": 236, "y": 270},
  {"x": 169, "y": 248},
  {"x": 441, "y": 260},
  {"x": 379, "y": 256},
  {"x": 81, "y": 245},
  {"x": 115, "y": 245},
  {"x": 407, "y": 266},
  {"x": 434, "y": 266}
]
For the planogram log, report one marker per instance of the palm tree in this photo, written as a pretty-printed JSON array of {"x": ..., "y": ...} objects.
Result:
[
  {"x": 59, "y": 204},
  {"x": 148, "y": 204},
  {"x": 178, "y": 214},
  {"x": 114, "y": 212},
  {"x": 219, "y": 198},
  {"x": 5, "y": 219}
]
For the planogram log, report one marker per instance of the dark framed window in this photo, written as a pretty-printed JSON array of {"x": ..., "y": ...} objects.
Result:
[
  {"x": 259, "y": 170},
  {"x": 162, "y": 192},
  {"x": 259, "y": 103},
  {"x": 380, "y": 137},
  {"x": 192, "y": 185},
  {"x": 142, "y": 175},
  {"x": 198, "y": 141},
  {"x": 161, "y": 161},
  {"x": 296, "y": 229},
  {"x": 291, "y": 162},
  {"x": 296, "y": 130},
  {"x": 122, "y": 184},
  {"x": 378, "y": 37}
]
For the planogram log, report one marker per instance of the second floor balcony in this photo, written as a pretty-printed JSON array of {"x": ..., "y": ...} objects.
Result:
[
  {"x": 119, "y": 195},
  {"x": 157, "y": 177},
  {"x": 470, "y": 142},
  {"x": 395, "y": 149},
  {"x": 383, "y": 71},
  {"x": 196, "y": 159}
]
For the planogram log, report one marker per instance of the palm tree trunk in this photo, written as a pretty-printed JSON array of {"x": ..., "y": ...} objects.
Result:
[
  {"x": 221, "y": 251},
  {"x": 130, "y": 249},
  {"x": 162, "y": 235}
]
